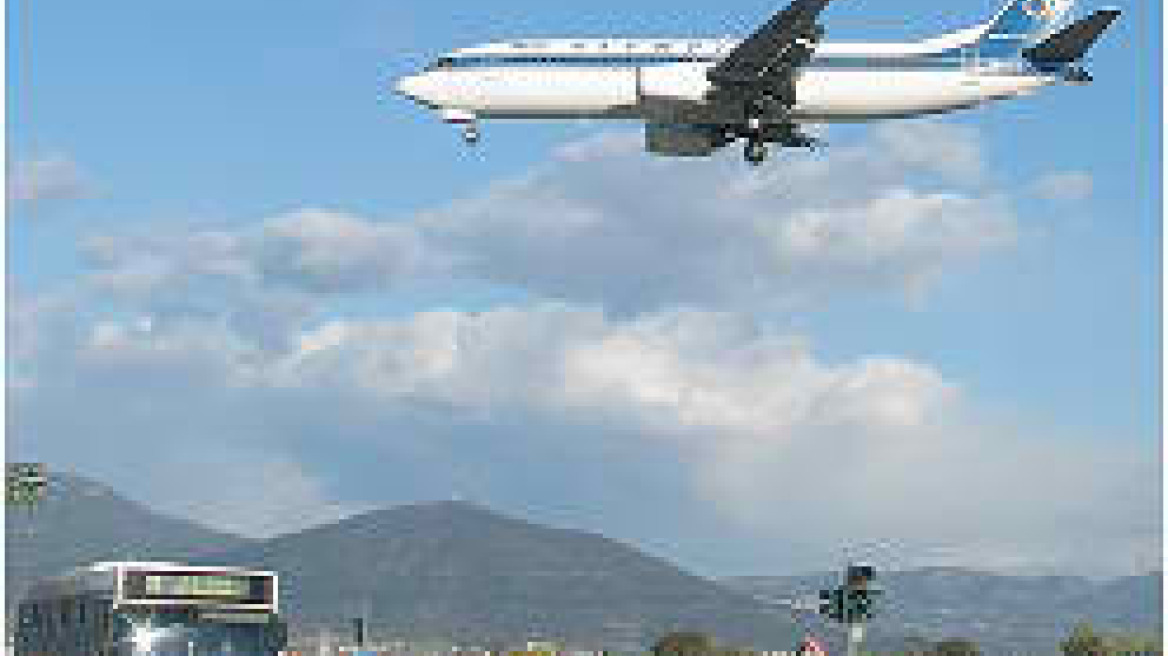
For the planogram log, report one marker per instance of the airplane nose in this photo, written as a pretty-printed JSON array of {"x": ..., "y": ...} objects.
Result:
[{"x": 412, "y": 86}]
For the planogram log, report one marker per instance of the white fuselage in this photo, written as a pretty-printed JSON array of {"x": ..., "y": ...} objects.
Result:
[{"x": 665, "y": 81}]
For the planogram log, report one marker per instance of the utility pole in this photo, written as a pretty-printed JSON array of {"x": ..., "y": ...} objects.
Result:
[
  {"x": 359, "y": 626},
  {"x": 855, "y": 638}
]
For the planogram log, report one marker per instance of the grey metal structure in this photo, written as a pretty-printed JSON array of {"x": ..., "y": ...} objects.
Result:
[{"x": 151, "y": 609}]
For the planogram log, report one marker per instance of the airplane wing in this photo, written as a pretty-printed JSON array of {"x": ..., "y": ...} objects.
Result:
[{"x": 773, "y": 52}]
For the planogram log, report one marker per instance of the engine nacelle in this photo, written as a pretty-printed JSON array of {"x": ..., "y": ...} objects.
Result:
[{"x": 681, "y": 140}]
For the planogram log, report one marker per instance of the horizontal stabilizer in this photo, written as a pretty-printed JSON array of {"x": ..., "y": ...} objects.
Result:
[{"x": 1072, "y": 42}]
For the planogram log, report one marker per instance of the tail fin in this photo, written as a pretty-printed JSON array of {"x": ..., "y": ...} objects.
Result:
[
  {"x": 1021, "y": 23},
  {"x": 1069, "y": 44}
]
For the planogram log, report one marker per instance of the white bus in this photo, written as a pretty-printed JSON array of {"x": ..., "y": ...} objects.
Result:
[{"x": 151, "y": 609}]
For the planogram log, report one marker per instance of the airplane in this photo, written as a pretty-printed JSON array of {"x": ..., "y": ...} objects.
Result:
[{"x": 699, "y": 95}]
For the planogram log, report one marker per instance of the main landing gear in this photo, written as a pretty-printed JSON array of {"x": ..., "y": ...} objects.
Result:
[
  {"x": 1077, "y": 75},
  {"x": 756, "y": 151},
  {"x": 768, "y": 121}
]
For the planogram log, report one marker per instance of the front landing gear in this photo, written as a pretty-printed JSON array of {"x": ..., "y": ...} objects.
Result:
[{"x": 465, "y": 120}]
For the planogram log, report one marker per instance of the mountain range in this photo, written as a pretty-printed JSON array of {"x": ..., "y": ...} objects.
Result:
[
  {"x": 1019, "y": 613},
  {"x": 81, "y": 521},
  {"x": 459, "y": 571}
]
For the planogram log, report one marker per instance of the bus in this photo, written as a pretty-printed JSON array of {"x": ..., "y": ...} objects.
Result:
[{"x": 151, "y": 609}]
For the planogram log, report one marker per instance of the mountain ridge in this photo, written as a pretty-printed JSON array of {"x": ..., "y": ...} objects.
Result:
[
  {"x": 457, "y": 568},
  {"x": 81, "y": 520},
  {"x": 462, "y": 570}
]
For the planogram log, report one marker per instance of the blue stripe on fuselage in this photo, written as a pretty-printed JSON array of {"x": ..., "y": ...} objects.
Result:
[{"x": 953, "y": 59}]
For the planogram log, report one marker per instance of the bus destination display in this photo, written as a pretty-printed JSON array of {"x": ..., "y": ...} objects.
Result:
[{"x": 198, "y": 585}]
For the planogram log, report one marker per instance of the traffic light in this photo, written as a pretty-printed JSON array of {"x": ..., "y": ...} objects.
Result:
[
  {"x": 861, "y": 593},
  {"x": 858, "y": 576},
  {"x": 852, "y": 602},
  {"x": 832, "y": 604},
  {"x": 860, "y": 608},
  {"x": 25, "y": 484}
]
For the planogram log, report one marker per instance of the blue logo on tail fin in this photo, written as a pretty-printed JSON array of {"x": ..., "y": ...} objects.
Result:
[{"x": 1019, "y": 24}]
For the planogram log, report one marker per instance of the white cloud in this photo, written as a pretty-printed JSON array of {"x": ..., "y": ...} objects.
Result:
[
  {"x": 602, "y": 224},
  {"x": 671, "y": 372},
  {"x": 875, "y": 446},
  {"x": 953, "y": 151},
  {"x": 605, "y": 224},
  {"x": 48, "y": 178},
  {"x": 332, "y": 251},
  {"x": 1064, "y": 186},
  {"x": 641, "y": 359},
  {"x": 253, "y": 494}
]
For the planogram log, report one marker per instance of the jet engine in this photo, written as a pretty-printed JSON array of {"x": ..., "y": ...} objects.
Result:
[{"x": 681, "y": 140}]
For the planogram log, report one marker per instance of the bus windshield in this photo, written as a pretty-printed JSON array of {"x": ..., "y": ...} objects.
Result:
[{"x": 185, "y": 638}]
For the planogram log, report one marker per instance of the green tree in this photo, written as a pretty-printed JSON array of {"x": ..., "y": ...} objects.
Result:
[
  {"x": 1083, "y": 641},
  {"x": 1133, "y": 643},
  {"x": 685, "y": 643},
  {"x": 956, "y": 647},
  {"x": 915, "y": 646}
]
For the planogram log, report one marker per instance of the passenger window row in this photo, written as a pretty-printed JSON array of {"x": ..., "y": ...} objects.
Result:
[{"x": 462, "y": 62}]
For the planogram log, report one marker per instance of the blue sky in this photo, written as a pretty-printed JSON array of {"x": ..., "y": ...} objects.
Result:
[{"x": 173, "y": 137}]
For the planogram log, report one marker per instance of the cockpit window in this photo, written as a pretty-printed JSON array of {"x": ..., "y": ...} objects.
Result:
[{"x": 443, "y": 64}]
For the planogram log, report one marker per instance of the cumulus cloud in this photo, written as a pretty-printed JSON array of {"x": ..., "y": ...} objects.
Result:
[
  {"x": 604, "y": 224},
  {"x": 601, "y": 224},
  {"x": 695, "y": 384},
  {"x": 674, "y": 371},
  {"x": 645, "y": 352},
  {"x": 1064, "y": 186},
  {"x": 250, "y": 493},
  {"x": 753, "y": 418},
  {"x": 49, "y": 178}
]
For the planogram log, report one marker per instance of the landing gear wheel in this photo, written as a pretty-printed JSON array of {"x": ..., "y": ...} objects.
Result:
[
  {"x": 471, "y": 135},
  {"x": 756, "y": 152}
]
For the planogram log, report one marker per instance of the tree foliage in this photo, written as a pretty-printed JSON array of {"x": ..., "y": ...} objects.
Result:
[
  {"x": 685, "y": 643},
  {"x": 956, "y": 647},
  {"x": 1083, "y": 641},
  {"x": 1131, "y": 643}
]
